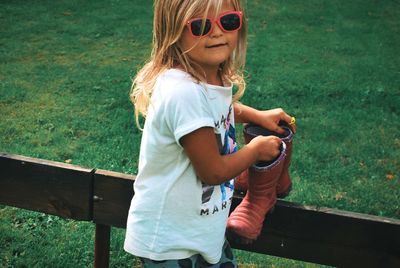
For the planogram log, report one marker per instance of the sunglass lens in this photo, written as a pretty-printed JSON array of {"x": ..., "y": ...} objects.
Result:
[
  {"x": 197, "y": 27},
  {"x": 230, "y": 22}
]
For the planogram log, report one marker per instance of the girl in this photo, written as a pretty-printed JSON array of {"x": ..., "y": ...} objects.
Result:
[{"x": 188, "y": 155}]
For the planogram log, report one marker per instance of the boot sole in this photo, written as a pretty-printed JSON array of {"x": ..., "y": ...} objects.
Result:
[{"x": 232, "y": 236}]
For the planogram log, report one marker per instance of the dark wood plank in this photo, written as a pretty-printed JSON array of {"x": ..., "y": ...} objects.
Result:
[
  {"x": 46, "y": 186},
  {"x": 102, "y": 246},
  {"x": 113, "y": 193},
  {"x": 328, "y": 236}
]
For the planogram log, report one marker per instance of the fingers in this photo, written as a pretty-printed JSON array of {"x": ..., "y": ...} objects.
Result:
[
  {"x": 278, "y": 127},
  {"x": 279, "y": 130},
  {"x": 290, "y": 120},
  {"x": 275, "y": 148},
  {"x": 266, "y": 148},
  {"x": 287, "y": 118},
  {"x": 276, "y": 140},
  {"x": 275, "y": 120}
]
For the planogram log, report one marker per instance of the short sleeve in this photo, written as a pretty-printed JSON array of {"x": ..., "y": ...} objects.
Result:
[{"x": 186, "y": 109}]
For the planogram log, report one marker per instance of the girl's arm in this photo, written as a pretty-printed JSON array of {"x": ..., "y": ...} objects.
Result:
[
  {"x": 268, "y": 119},
  {"x": 202, "y": 149},
  {"x": 244, "y": 113}
]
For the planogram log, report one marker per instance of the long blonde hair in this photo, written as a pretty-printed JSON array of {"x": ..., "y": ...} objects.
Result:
[{"x": 170, "y": 17}]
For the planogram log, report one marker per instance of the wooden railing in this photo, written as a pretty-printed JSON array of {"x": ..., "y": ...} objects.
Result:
[{"x": 307, "y": 233}]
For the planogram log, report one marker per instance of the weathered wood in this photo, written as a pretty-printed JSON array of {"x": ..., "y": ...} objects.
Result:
[
  {"x": 112, "y": 197},
  {"x": 328, "y": 236},
  {"x": 307, "y": 233},
  {"x": 102, "y": 246},
  {"x": 46, "y": 186}
]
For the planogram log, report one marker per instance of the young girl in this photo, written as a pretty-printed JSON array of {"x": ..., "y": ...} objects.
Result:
[{"x": 188, "y": 155}]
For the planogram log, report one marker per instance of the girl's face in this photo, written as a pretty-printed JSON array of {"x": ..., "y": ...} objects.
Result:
[{"x": 213, "y": 49}]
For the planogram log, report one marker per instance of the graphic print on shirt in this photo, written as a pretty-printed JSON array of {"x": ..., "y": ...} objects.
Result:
[{"x": 228, "y": 146}]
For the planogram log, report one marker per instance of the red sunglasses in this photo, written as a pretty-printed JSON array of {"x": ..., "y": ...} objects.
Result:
[{"x": 230, "y": 21}]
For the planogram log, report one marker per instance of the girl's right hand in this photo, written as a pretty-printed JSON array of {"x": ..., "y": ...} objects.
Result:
[{"x": 266, "y": 147}]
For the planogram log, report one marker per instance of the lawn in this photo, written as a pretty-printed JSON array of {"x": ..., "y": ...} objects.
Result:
[{"x": 65, "y": 75}]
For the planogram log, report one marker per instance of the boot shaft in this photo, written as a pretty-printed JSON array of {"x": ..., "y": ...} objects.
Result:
[{"x": 263, "y": 176}]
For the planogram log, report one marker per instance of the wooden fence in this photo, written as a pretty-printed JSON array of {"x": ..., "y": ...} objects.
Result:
[{"x": 307, "y": 233}]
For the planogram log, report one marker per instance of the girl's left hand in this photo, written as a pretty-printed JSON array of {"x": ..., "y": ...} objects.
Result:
[{"x": 270, "y": 119}]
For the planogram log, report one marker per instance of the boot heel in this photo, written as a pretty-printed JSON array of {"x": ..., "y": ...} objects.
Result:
[
  {"x": 285, "y": 193},
  {"x": 232, "y": 236}
]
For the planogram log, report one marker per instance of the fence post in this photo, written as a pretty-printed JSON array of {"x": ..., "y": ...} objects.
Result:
[{"x": 102, "y": 246}]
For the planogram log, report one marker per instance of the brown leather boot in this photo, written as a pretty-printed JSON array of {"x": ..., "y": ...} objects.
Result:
[
  {"x": 284, "y": 185},
  {"x": 246, "y": 221}
]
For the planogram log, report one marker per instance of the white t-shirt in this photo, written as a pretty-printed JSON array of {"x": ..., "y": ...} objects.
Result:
[{"x": 173, "y": 215}]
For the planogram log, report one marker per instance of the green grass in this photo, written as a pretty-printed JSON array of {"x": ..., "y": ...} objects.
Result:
[{"x": 65, "y": 71}]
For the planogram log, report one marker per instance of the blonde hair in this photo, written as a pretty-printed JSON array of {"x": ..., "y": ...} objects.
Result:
[{"x": 170, "y": 17}]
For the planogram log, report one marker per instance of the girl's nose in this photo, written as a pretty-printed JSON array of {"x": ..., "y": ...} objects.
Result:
[{"x": 216, "y": 30}]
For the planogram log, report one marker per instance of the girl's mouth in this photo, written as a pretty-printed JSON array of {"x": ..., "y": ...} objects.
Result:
[{"x": 216, "y": 46}]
